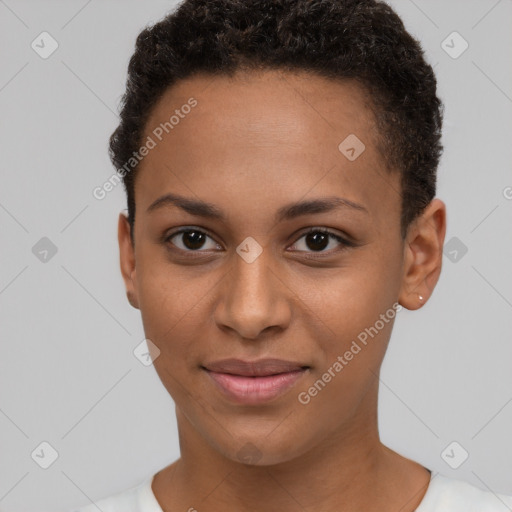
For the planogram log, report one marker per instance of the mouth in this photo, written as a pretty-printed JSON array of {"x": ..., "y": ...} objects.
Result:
[{"x": 254, "y": 382}]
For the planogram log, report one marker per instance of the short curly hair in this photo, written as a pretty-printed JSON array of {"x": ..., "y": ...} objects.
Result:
[{"x": 362, "y": 40}]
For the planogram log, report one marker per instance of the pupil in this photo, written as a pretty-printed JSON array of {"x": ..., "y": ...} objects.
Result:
[
  {"x": 320, "y": 241},
  {"x": 195, "y": 239}
]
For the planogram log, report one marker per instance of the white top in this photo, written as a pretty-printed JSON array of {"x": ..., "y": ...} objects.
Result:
[{"x": 444, "y": 494}]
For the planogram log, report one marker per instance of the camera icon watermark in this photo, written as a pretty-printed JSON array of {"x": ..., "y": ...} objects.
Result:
[
  {"x": 44, "y": 249},
  {"x": 351, "y": 147},
  {"x": 44, "y": 45},
  {"x": 146, "y": 352},
  {"x": 249, "y": 454},
  {"x": 249, "y": 249},
  {"x": 44, "y": 455},
  {"x": 454, "y": 45},
  {"x": 455, "y": 249},
  {"x": 454, "y": 455}
]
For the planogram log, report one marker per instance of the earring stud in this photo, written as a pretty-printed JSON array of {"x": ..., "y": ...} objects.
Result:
[{"x": 420, "y": 297}]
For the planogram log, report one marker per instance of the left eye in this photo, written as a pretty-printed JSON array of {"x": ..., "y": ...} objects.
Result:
[{"x": 318, "y": 239}]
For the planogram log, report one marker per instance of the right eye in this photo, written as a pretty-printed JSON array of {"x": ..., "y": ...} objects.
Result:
[{"x": 191, "y": 239}]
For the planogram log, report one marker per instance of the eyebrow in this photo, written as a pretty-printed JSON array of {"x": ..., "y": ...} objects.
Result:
[{"x": 290, "y": 211}]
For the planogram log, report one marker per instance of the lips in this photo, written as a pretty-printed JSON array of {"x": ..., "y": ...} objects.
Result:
[
  {"x": 261, "y": 368},
  {"x": 254, "y": 382}
]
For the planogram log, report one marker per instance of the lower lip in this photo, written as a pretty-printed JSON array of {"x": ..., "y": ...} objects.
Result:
[{"x": 255, "y": 390}]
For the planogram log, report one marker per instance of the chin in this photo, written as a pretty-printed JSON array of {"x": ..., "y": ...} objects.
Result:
[{"x": 259, "y": 451}]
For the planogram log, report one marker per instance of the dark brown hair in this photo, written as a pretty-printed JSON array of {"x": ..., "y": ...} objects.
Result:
[{"x": 364, "y": 40}]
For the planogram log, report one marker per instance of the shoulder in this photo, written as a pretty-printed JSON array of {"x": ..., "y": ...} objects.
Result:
[
  {"x": 139, "y": 498},
  {"x": 446, "y": 494}
]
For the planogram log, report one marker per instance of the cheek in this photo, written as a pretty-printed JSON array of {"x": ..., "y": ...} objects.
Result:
[
  {"x": 354, "y": 298},
  {"x": 167, "y": 291},
  {"x": 358, "y": 306},
  {"x": 170, "y": 304},
  {"x": 176, "y": 305},
  {"x": 349, "y": 368}
]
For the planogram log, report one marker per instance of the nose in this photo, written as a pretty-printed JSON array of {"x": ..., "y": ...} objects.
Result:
[{"x": 253, "y": 298}]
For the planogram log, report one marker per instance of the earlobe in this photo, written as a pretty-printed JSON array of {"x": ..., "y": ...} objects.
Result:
[
  {"x": 423, "y": 256},
  {"x": 127, "y": 260},
  {"x": 131, "y": 299}
]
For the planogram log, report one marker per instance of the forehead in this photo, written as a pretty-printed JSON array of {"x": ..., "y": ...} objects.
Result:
[
  {"x": 264, "y": 102},
  {"x": 271, "y": 133}
]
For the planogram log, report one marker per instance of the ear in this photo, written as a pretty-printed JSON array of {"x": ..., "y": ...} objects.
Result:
[
  {"x": 423, "y": 255},
  {"x": 127, "y": 260}
]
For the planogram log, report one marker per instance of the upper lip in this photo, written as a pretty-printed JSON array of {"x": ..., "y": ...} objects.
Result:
[{"x": 260, "y": 368}]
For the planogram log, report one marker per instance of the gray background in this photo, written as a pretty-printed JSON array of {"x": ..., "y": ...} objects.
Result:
[{"x": 68, "y": 375}]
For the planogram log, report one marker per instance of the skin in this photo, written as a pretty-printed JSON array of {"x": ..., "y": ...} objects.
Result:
[{"x": 254, "y": 143}]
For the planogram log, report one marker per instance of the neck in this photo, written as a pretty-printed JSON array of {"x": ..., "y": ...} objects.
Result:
[{"x": 349, "y": 470}]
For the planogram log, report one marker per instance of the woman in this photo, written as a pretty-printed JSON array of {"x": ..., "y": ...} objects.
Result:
[{"x": 280, "y": 161}]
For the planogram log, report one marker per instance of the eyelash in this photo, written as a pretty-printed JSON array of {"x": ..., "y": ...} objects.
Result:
[{"x": 343, "y": 241}]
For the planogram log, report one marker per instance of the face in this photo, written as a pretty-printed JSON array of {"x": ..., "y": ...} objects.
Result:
[{"x": 295, "y": 256}]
